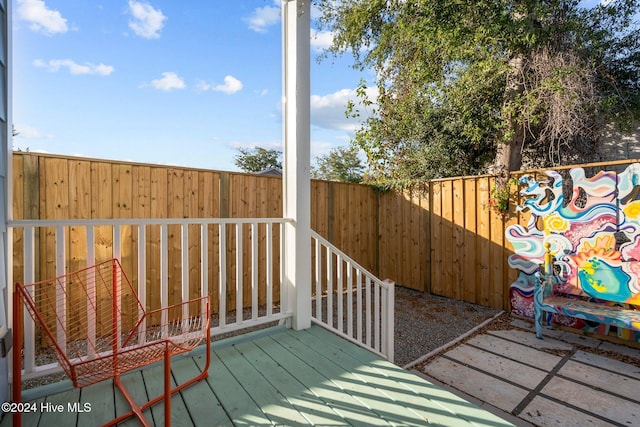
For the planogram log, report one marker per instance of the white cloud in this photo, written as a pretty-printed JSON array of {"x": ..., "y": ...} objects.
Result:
[
  {"x": 168, "y": 82},
  {"x": 320, "y": 148},
  {"x": 74, "y": 68},
  {"x": 30, "y": 132},
  {"x": 321, "y": 40},
  {"x": 231, "y": 85},
  {"x": 41, "y": 19},
  {"x": 147, "y": 21},
  {"x": 263, "y": 17},
  {"x": 328, "y": 111}
]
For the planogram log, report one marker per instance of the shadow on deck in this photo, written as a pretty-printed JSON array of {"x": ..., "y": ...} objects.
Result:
[{"x": 270, "y": 377}]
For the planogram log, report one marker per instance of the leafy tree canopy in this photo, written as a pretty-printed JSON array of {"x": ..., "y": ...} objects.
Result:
[
  {"x": 467, "y": 83},
  {"x": 258, "y": 159},
  {"x": 341, "y": 164}
]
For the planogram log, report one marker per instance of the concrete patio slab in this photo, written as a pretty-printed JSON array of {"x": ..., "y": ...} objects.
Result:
[
  {"x": 620, "y": 349},
  {"x": 519, "y": 422},
  {"x": 489, "y": 389},
  {"x": 593, "y": 401},
  {"x": 562, "y": 380},
  {"x": 580, "y": 340},
  {"x": 529, "y": 339},
  {"x": 607, "y": 363},
  {"x": 601, "y": 378},
  {"x": 499, "y": 366},
  {"x": 545, "y": 412},
  {"x": 515, "y": 351}
]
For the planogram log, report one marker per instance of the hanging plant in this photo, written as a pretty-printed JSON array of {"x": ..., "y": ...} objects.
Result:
[{"x": 499, "y": 200}]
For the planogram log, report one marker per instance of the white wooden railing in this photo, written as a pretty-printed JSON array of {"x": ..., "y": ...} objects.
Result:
[
  {"x": 235, "y": 261},
  {"x": 239, "y": 247},
  {"x": 350, "y": 301}
]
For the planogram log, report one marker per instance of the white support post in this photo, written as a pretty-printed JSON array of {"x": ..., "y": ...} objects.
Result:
[
  {"x": 6, "y": 193},
  {"x": 296, "y": 177}
]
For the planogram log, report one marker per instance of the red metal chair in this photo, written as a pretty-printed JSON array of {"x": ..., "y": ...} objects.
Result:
[{"x": 94, "y": 323}]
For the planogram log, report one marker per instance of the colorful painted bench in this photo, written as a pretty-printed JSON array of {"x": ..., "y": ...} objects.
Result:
[
  {"x": 589, "y": 249},
  {"x": 599, "y": 292}
]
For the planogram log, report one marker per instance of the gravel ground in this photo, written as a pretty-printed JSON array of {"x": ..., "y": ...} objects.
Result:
[{"x": 425, "y": 322}]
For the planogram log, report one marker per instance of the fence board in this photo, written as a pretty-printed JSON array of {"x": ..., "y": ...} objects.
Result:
[
  {"x": 385, "y": 268},
  {"x": 191, "y": 210},
  {"x": 158, "y": 207},
  {"x": 175, "y": 209},
  {"x": 425, "y": 238},
  {"x": 319, "y": 207},
  {"x": 20, "y": 205},
  {"x": 458, "y": 257},
  {"x": 79, "y": 208},
  {"x": 483, "y": 242},
  {"x": 141, "y": 208},
  {"x": 447, "y": 236},
  {"x": 496, "y": 261},
  {"x": 471, "y": 282},
  {"x": 437, "y": 240}
]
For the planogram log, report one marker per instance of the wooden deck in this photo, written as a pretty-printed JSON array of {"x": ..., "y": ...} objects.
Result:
[{"x": 274, "y": 377}]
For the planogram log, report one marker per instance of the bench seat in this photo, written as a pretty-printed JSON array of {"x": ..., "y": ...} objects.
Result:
[{"x": 590, "y": 311}]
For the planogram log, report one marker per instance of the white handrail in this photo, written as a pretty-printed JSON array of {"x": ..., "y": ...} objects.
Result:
[
  {"x": 181, "y": 284},
  {"x": 341, "y": 279},
  {"x": 140, "y": 221}
]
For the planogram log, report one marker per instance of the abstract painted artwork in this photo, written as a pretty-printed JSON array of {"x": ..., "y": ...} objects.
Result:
[{"x": 594, "y": 236}]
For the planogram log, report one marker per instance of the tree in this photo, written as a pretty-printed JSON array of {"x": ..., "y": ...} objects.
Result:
[
  {"x": 258, "y": 159},
  {"x": 463, "y": 84},
  {"x": 341, "y": 164}
]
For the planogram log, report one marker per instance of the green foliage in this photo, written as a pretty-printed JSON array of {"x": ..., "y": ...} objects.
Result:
[
  {"x": 341, "y": 164},
  {"x": 499, "y": 200},
  {"x": 460, "y": 80},
  {"x": 258, "y": 159}
]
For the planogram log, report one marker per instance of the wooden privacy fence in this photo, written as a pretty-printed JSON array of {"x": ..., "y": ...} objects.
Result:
[
  {"x": 439, "y": 237},
  {"x": 49, "y": 187}
]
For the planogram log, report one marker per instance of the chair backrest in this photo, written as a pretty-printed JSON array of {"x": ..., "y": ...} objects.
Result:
[{"x": 84, "y": 314}]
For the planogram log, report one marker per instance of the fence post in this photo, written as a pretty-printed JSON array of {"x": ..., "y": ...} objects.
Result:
[{"x": 389, "y": 323}]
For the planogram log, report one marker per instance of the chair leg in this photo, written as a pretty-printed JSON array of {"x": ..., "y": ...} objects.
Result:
[
  {"x": 168, "y": 391},
  {"x": 167, "y": 386},
  {"x": 538, "y": 314},
  {"x": 135, "y": 408}
]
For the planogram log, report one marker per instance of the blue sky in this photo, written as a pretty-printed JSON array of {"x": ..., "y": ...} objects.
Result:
[{"x": 163, "y": 81}]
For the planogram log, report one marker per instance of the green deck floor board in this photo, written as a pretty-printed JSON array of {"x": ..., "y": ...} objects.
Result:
[
  {"x": 320, "y": 385},
  {"x": 134, "y": 384},
  {"x": 64, "y": 417},
  {"x": 270, "y": 399},
  {"x": 339, "y": 375},
  {"x": 154, "y": 382},
  {"x": 264, "y": 355},
  {"x": 237, "y": 403},
  {"x": 388, "y": 398},
  {"x": 29, "y": 419},
  {"x": 446, "y": 407},
  {"x": 101, "y": 398},
  {"x": 201, "y": 402}
]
